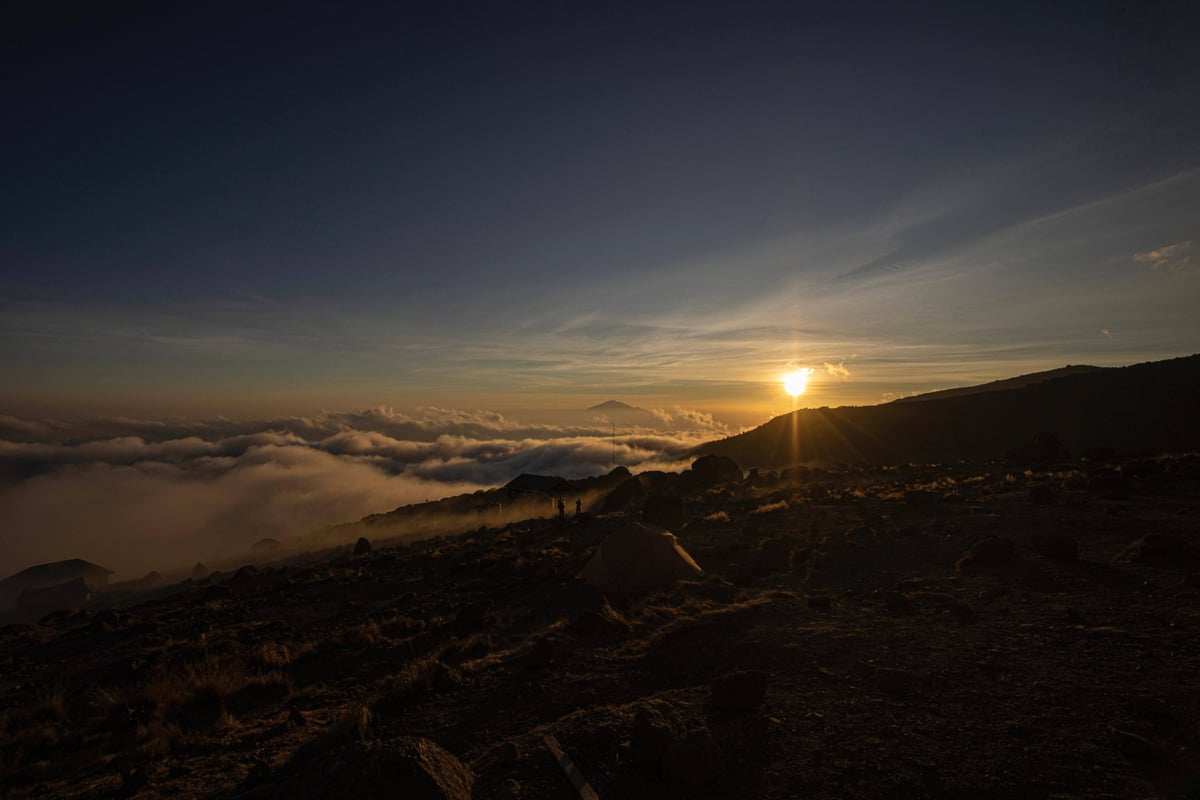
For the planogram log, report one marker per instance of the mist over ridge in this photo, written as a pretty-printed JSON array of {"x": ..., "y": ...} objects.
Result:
[{"x": 141, "y": 494}]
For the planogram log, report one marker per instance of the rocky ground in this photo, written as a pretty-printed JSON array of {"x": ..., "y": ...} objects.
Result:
[{"x": 962, "y": 631}]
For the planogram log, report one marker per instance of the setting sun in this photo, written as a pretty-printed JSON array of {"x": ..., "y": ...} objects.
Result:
[{"x": 795, "y": 382}]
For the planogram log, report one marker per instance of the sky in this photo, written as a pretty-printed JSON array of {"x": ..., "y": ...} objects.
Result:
[
  {"x": 265, "y": 267},
  {"x": 207, "y": 209}
]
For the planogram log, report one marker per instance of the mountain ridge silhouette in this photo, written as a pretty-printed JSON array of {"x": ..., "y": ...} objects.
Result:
[{"x": 1141, "y": 408}]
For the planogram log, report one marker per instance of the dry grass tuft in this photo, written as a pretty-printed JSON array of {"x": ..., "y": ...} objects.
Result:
[
  {"x": 259, "y": 691},
  {"x": 357, "y": 725},
  {"x": 273, "y": 655},
  {"x": 471, "y": 648},
  {"x": 767, "y": 508}
]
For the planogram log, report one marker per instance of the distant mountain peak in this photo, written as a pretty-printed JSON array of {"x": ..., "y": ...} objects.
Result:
[{"x": 614, "y": 405}]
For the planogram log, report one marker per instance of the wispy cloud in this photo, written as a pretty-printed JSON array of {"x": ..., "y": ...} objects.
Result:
[
  {"x": 1178, "y": 257},
  {"x": 838, "y": 370}
]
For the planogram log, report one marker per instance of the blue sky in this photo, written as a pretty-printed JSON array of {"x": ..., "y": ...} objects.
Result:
[{"x": 220, "y": 211}]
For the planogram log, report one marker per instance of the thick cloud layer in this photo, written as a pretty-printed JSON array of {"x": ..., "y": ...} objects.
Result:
[{"x": 136, "y": 495}]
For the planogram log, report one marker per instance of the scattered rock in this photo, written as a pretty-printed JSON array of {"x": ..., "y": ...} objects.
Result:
[
  {"x": 989, "y": 551},
  {"x": 739, "y": 691},
  {"x": 245, "y": 574},
  {"x": 444, "y": 678},
  {"x": 1162, "y": 547},
  {"x": 921, "y": 498},
  {"x": 506, "y": 753},
  {"x": 894, "y": 681},
  {"x": 1139, "y": 748},
  {"x": 540, "y": 654},
  {"x": 408, "y": 767},
  {"x": 898, "y": 602},
  {"x": 709, "y": 471},
  {"x": 1044, "y": 448},
  {"x": 509, "y": 790},
  {"x": 481, "y": 614},
  {"x": 663, "y": 509},
  {"x": 606, "y": 620},
  {"x": 1055, "y": 546},
  {"x": 133, "y": 778},
  {"x": 362, "y": 547},
  {"x": 627, "y": 494},
  {"x": 819, "y": 602},
  {"x": 693, "y": 758},
  {"x": 1041, "y": 494},
  {"x": 655, "y": 726},
  {"x": 296, "y": 717},
  {"x": 216, "y": 592}
]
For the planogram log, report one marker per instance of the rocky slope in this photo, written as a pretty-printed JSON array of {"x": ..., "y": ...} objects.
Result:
[{"x": 967, "y": 631}]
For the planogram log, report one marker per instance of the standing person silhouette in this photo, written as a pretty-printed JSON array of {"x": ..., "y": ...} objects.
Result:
[
  {"x": 578, "y": 507},
  {"x": 562, "y": 509}
]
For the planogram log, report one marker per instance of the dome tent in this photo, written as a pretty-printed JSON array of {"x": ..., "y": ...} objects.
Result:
[{"x": 639, "y": 556}]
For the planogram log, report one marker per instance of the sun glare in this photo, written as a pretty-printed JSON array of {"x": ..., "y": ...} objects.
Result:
[{"x": 795, "y": 382}]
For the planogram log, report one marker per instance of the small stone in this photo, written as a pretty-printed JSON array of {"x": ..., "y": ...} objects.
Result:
[
  {"x": 819, "y": 602},
  {"x": 988, "y": 551},
  {"x": 739, "y": 691},
  {"x": 894, "y": 681},
  {"x": 509, "y": 790},
  {"x": 445, "y": 678},
  {"x": 540, "y": 654},
  {"x": 1055, "y": 546},
  {"x": 216, "y": 592},
  {"x": 654, "y": 729},
  {"x": 296, "y": 717},
  {"x": 506, "y": 753},
  {"x": 1138, "y": 748},
  {"x": 693, "y": 758},
  {"x": 898, "y": 602}
]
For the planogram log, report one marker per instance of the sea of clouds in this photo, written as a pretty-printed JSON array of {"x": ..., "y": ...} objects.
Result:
[{"x": 142, "y": 494}]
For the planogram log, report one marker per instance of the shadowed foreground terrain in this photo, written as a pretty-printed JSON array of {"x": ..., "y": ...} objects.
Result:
[{"x": 956, "y": 631}]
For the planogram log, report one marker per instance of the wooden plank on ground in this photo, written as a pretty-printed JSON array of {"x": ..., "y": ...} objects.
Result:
[{"x": 570, "y": 770}]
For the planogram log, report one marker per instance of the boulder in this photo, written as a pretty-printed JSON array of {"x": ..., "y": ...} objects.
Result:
[
  {"x": 990, "y": 550},
  {"x": 1044, "y": 448},
  {"x": 245, "y": 574},
  {"x": 216, "y": 592},
  {"x": 1159, "y": 547},
  {"x": 663, "y": 509},
  {"x": 655, "y": 726},
  {"x": 628, "y": 494},
  {"x": 693, "y": 758},
  {"x": 362, "y": 547},
  {"x": 606, "y": 620},
  {"x": 1055, "y": 546},
  {"x": 711, "y": 470},
  {"x": 407, "y": 766},
  {"x": 739, "y": 691}
]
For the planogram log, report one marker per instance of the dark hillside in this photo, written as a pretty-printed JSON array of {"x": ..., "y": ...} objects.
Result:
[{"x": 1142, "y": 408}]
